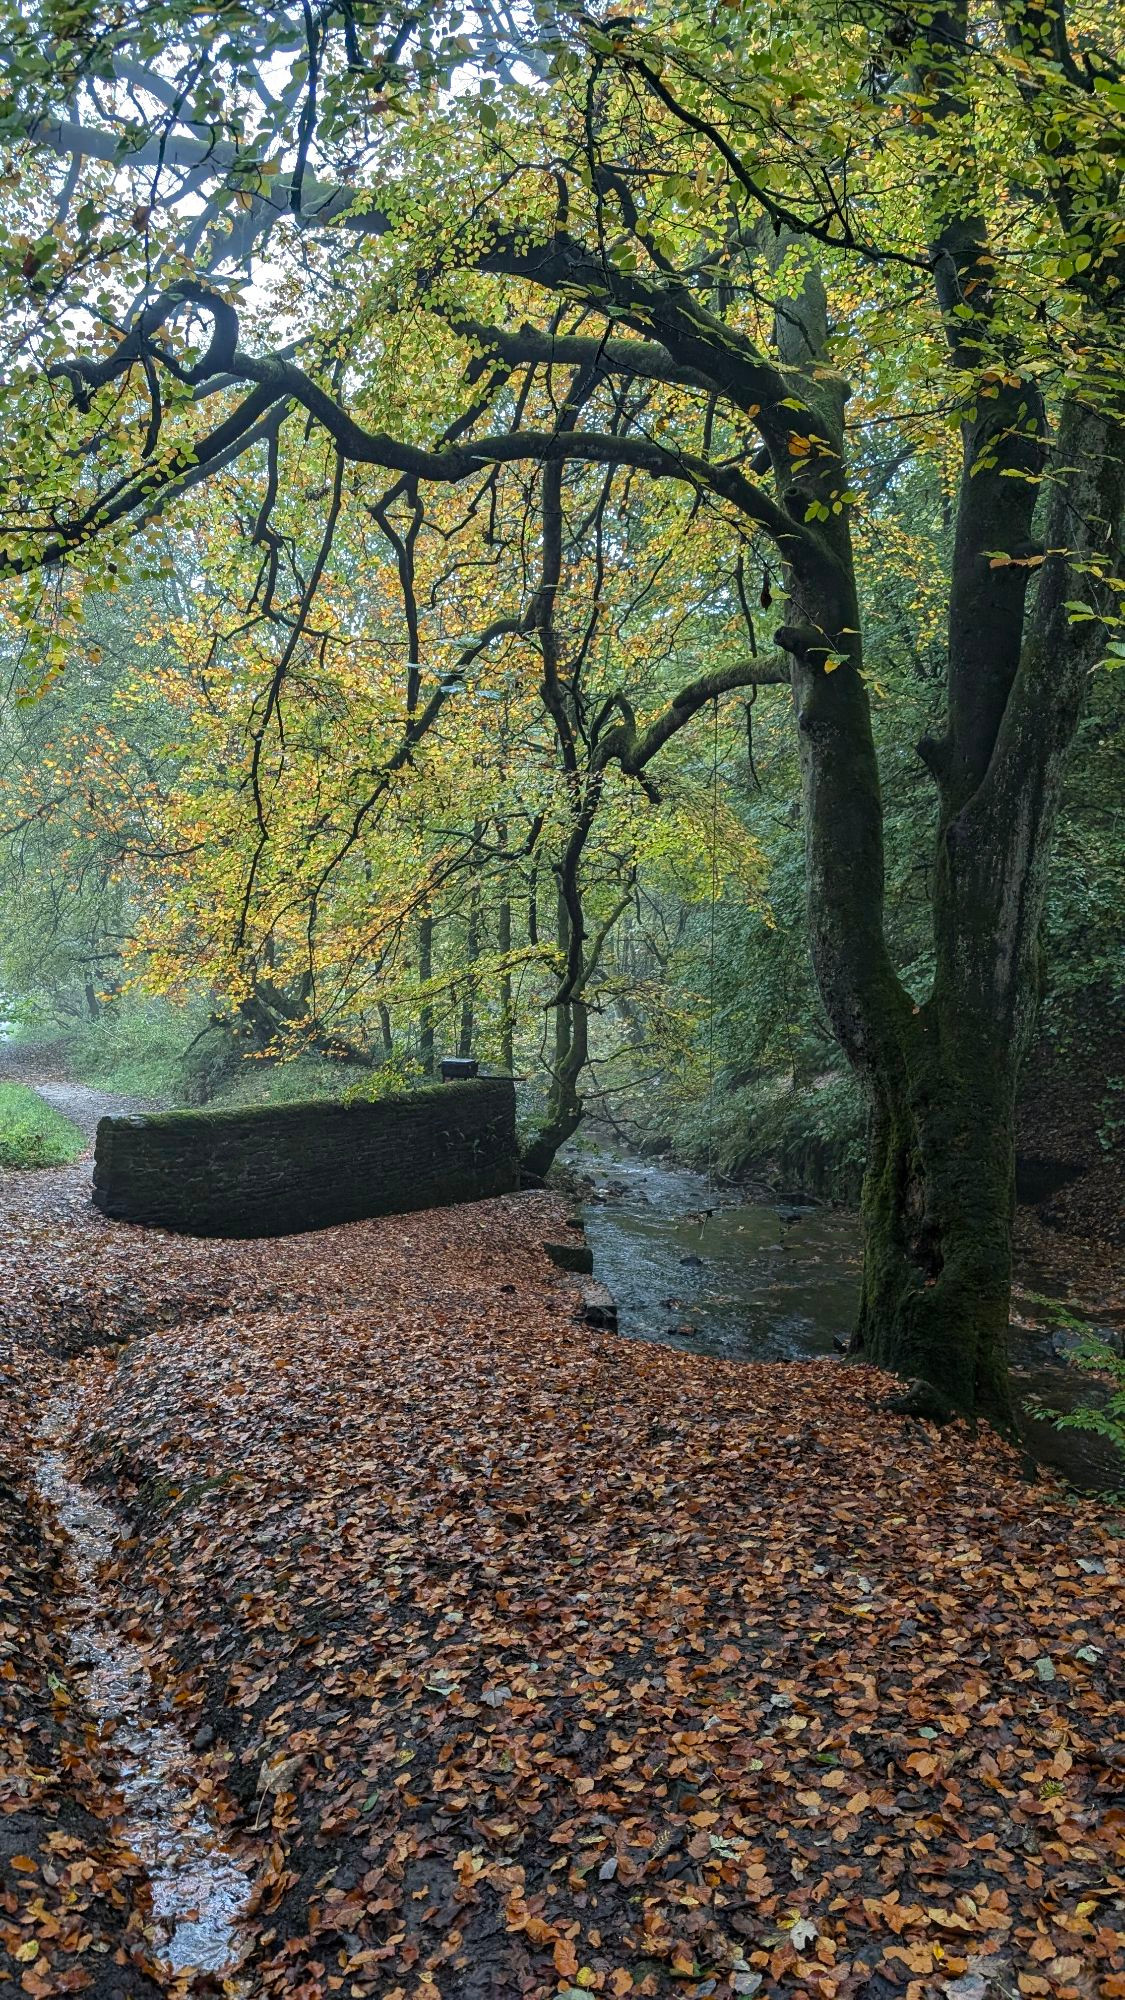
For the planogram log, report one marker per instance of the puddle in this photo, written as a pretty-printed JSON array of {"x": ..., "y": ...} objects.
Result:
[{"x": 199, "y": 1891}]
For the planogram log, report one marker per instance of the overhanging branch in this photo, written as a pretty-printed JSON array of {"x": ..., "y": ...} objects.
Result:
[{"x": 633, "y": 748}]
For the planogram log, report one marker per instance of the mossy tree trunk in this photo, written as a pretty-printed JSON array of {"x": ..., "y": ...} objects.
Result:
[
  {"x": 937, "y": 1214},
  {"x": 941, "y": 1071}
]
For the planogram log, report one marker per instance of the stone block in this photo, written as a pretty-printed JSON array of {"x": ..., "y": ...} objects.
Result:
[{"x": 571, "y": 1256}]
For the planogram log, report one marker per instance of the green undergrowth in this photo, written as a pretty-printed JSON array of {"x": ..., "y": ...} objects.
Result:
[
  {"x": 132, "y": 1048},
  {"x": 810, "y": 1132},
  {"x": 33, "y": 1133},
  {"x": 173, "y": 1055},
  {"x": 297, "y": 1079},
  {"x": 1095, "y": 1357}
]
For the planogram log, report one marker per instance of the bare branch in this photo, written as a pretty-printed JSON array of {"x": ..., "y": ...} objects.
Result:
[{"x": 633, "y": 748}]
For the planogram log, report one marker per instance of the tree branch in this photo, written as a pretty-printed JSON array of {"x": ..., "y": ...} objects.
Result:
[
  {"x": 645, "y": 358},
  {"x": 633, "y": 748}
]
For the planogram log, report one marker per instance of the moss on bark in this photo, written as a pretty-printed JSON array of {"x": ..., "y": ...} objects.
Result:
[{"x": 938, "y": 1203}]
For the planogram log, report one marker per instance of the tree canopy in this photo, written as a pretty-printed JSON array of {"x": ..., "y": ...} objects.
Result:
[{"x": 463, "y": 405}]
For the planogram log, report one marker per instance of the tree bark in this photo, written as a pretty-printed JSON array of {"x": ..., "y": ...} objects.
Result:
[
  {"x": 564, "y": 1102},
  {"x": 507, "y": 1013},
  {"x": 938, "y": 1201},
  {"x": 472, "y": 954},
  {"x": 939, "y": 1194},
  {"x": 386, "y": 1030},
  {"x": 426, "y": 1012}
]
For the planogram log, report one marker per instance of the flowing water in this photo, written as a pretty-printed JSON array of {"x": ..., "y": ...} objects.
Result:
[
  {"x": 198, "y": 1889},
  {"x": 717, "y": 1273},
  {"x": 763, "y": 1277}
]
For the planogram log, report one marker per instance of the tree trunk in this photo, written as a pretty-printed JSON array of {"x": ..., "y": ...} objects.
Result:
[
  {"x": 938, "y": 1201},
  {"x": 564, "y": 1104},
  {"x": 472, "y": 953},
  {"x": 386, "y": 1029},
  {"x": 940, "y": 1076},
  {"x": 507, "y": 1017},
  {"x": 426, "y": 1013},
  {"x": 941, "y": 1079}
]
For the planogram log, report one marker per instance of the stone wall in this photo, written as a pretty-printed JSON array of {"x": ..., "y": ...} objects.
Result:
[{"x": 267, "y": 1170}]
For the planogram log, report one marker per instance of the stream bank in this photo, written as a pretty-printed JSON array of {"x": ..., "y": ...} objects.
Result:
[{"x": 750, "y": 1275}]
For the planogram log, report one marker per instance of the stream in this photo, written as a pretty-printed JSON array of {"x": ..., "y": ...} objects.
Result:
[
  {"x": 198, "y": 1889},
  {"x": 757, "y": 1276},
  {"x": 713, "y": 1272}
]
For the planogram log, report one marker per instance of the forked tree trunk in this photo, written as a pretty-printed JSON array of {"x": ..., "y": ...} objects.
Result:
[{"x": 941, "y": 1077}]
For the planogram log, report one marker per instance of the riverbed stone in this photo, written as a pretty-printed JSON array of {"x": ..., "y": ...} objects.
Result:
[
  {"x": 571, "y": 1256},
  {"x": 599, "y": 1307}
]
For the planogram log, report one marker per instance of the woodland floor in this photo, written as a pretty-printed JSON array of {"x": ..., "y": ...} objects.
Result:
[{"x": 538, "y": 1661}]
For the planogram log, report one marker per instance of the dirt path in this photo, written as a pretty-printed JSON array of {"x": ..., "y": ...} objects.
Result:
[{"x": 39, "y": 1069}]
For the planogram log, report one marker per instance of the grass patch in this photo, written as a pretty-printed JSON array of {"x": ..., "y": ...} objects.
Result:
[
  {"x": 152, "y": 1049},
  {"x": 33, "y": 1133}
]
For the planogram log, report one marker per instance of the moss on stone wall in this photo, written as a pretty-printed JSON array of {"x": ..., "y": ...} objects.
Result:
[{"x": 269, "y": 1170}]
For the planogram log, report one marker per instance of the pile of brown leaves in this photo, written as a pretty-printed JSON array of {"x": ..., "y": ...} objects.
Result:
[
  {"x": 70, "y": 1279},
  {"x": 544, "y": 1662}
]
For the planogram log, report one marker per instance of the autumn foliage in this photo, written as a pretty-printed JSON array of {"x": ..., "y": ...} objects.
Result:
[{"x": 542, "y": 1662}]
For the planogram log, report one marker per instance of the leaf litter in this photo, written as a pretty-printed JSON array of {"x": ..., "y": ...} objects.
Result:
[{"x": 524, "y": 1660}]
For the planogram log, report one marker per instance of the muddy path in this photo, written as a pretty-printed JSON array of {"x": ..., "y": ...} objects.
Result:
[{"x": 198, "y": 1886}]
